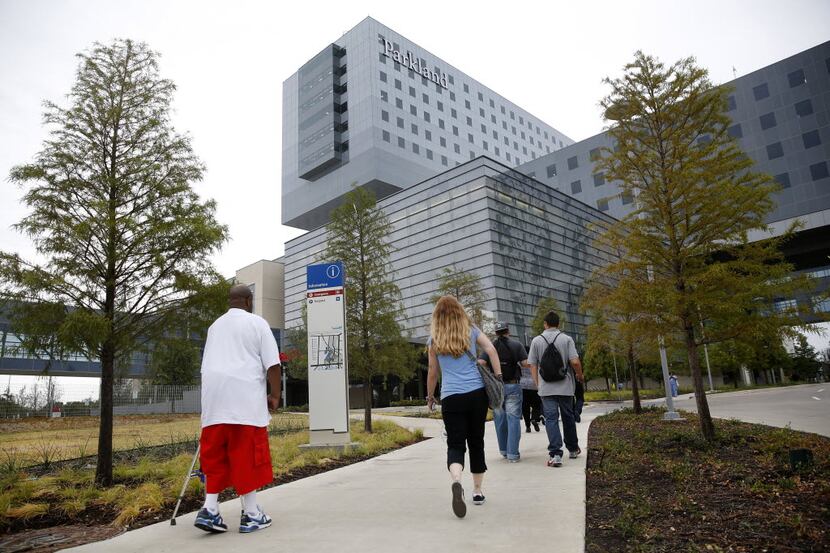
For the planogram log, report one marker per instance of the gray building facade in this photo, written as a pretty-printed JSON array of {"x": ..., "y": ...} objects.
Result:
[
  {"x": 375, "y": 109},
  {"x": 523, "y": 239}
]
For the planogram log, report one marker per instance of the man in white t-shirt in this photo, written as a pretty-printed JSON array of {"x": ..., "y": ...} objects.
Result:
[{"x": 240, "y": 353}]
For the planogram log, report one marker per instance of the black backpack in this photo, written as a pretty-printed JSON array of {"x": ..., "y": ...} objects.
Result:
[
  {"x": 510, "y": 369},
  {"x": 552, "y": 368}
]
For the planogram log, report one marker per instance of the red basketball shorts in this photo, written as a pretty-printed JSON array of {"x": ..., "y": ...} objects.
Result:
[{"x": 235, "y": 455}]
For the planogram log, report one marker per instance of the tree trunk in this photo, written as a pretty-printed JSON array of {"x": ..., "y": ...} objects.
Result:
[
  {"x": 707, "y": 428},
  {"x": 635, "y": 390},
  {"x": 367, "y": 404},
  {"x": 103, "y": 469},
  {"x": 608, "y": 385}
]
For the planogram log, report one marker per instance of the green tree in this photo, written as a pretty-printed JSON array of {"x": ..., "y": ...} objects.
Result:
[
  {"x": 805, "y": 359},
  {"x": 296, "y": 339},
  {"x": 466, "y": 288},
  {"x": 687, "y": 256},
  {"x": 125, "y": 241},
  {"x": 599, "y": 362},
  {"x": 359, "y": 237},
  {"x": 542, "y": 308}
]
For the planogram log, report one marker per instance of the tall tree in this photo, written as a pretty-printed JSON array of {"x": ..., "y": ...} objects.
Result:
[
  {"x": 805, "y": 359},
  {"x": 542, "y": 308},
  {"x": 466, "y": 288},
  {"x": 124, "y": 239},
  {"x": 687, "y": 255},
  {"x": 359, "y": 237}
]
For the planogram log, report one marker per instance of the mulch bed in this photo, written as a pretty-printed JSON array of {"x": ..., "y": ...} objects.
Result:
[
  {"x": 657, "y": 486},
  {"x": 54, "y": 531}
]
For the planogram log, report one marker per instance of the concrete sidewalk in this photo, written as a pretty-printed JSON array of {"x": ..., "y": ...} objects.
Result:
[{"x": 400, "y": 502}]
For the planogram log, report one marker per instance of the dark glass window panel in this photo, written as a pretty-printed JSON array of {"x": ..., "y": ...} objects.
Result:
[
  {"x": 627, "y": 198},
  {"x": 386, "y": 136},
  {"x": 551, "y": 169},
  {"x": 731, "y": 104},
  {"x": 735, "y": 131},
  {"x": 599, "y": 179},
  {"x": 415, "y": 148},
  {"x": 768, "y": 121},
  {"x": 804, "y": 107},
  {"x": 573, "y": 163},
  {"x": 401, "y": 142},
  {"x": 576, "y": 187},
  {"x": 811, "y": 139},
  {"x": 819, "y": 170},
  {"x": 382, "y": 77},
  {"x": 775, "y": 151},
  {"x": 602, "y": 205},
  {"x": 384, "y": 115},
  {"x": 593, "y": 155},
  {"x": 761, "y": 91},
  {"x": 783, "y": 179},
  {"x": 400, "y": 122},
  {"x": 796, "y": 78}
]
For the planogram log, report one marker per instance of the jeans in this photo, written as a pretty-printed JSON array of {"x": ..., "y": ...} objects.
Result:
[
  {"x": 579, "y": 400},
  {"x": 531, "y": 406},
  {"x": 553, "y": 406},
  {"x": 507, "y": 419},
  {"x": 464, "y": 416}
]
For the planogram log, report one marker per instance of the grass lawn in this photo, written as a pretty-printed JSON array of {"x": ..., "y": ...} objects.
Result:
[
  {"x": 38, "y": 440},
  {"x": 657, "y": 486},
  {"x": 145, "y": 491}
]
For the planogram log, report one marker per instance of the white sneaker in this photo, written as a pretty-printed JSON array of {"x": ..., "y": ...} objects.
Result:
[{"x": 555, "y": 461}]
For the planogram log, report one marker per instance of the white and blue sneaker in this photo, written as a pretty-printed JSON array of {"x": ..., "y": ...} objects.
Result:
[
  {"x": 252, "y": 523},
  {"x": 210, "y": 522}
]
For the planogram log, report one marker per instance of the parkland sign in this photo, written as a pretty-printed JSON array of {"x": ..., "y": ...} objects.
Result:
[{"x": 411, "y": 62}]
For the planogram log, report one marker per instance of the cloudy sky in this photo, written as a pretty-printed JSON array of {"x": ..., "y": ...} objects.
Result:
[{"x": 229, "y": 60}]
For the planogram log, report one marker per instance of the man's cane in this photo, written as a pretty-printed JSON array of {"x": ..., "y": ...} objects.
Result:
[{"x": 190, "y": 474}]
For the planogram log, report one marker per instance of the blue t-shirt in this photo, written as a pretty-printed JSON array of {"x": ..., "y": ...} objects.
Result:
[{"x": 459, "y": 375}]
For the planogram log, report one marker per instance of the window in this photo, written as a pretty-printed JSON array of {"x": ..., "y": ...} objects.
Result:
[
  {"x": 416, "y": 149},
  {"x": 503, "y": 110},
  {"x": 573, "y": 163},
  {"x": 593, "y": 155},
  {"x": 429, "y": 153},
  {"x": 576, "y": 187},
  {"x": 504, "y": 125},
  {"x": 398, "y": 103},
  {"x": 454, "y": 130},
  {"x": 524, "y": 150},
  {"x": 492, "y": 118},
  {"x": 498, "y": 152},
  {"x": 627, "y": 198},
  {"x": 515, "y": 145},
  {"x": 508, "y": 156},
  {"x": 384, "y": 115},
  {"x": 440, "y": 123},
  {"x": 506, "y": 141},
  {"x": 414, "y": 129},
  {"x": 481, "y": 112},
  {"x": 735, "y": 131},
  {"x": 513, "y": 130},
  {"x": 472, "y": 154},
  {"x": 382, "y": 77},
  {"x": 453, "y": 113},
  {"x": 384, "y": 96},
  {"x": 480, "y": 97},
  {"x": 457, "y": 148},
  {"x": 768, "y": 121},
  {"x": 398, "y": 84},
  {"x": 492, "y": 103},
  {"x": 495, "y": 135},
  {"x": 442, "y": 141},
  {"x": 470, "y": 138},
  {"x": 440, "y": 106},
  {"x": 451, "y": 79},
  {"x": 382, "y": 58},
  {"x": 731, "y": 105},
  {"x": 811, "y": 139},
  {"x": 386, "y": 136},
  {"x": 783, "y": 179},
  {"x": 784, "y": 306},
  {"x": 425, "y": 98},
  {"x": 523, "y": 135},
  {"x": 821, "y": 305},
  {"x": 452, "y": 96},
  {"x": 469, "y": 121},
  {"x": 819, "y": 171},
  {"x": 602, "y": 204},
  {"x": 444, "y": 160},
  {"x": 512, "y": 115},
  {"x": 400, "y": 122},
  {"x": 761, "y": 91},
  {"x": 413, "y": 110},
  {"x": 483, "y": 128},
  {"x": 486, "y": 146},
  {"x": 551, "y": 170},
  {"x": 796, "y": 78},
  {"x": 521, "y": 120},
  {"x": 805, "y": 107},
  {"x": 467, "y": 104},
  {"x": 401, "y": 142},
  {"x": 427, "y": 116},
  {"x": 412, "y": 91},
  {"x": 599, "y": 179},
  {"x": 775, "y": 151},
  {"x": 466, "y": 88}
]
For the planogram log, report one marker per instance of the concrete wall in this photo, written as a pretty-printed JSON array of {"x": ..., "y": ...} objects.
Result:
[{"x": 268, "y": 280}]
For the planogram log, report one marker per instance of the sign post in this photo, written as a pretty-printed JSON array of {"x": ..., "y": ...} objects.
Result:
[{"x": 328, "y": 373}]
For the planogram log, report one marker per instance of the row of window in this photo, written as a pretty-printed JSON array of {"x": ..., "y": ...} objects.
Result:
[
  {"x": 416, "y": 148},
  {"x": 794, "y": 78},
  {"x": 810, "y": 139},
  {"x": 819, "y": 304}
]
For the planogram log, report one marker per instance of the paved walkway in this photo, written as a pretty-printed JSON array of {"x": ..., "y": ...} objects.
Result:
[{"x": 400, "y": 502}]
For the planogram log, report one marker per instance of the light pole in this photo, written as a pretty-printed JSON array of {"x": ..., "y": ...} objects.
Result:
[
  {"x": 705, "y": 350},
  {"x": 616, "y": 377}
]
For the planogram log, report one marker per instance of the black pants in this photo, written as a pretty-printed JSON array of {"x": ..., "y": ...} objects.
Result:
[
  {"x": 464, "y": 416},
  {"x": 531, "y": 406},
  {"x": 579, "y": 400}
]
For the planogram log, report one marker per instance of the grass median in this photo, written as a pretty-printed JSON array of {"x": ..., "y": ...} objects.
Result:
[
  {"x": 657, "y": 486},
  {"x": 145, "y": 490}
]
